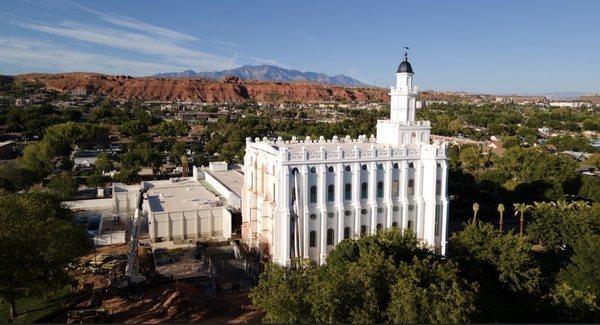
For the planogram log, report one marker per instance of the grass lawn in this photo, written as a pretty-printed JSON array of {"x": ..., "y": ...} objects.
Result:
[{"x": 30, "y": 309}]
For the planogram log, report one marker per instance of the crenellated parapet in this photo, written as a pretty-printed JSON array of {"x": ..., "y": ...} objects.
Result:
[{"x": 345, "y": 149}]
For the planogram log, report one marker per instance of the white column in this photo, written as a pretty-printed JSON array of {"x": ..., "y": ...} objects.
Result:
[
  {"x": 197, "y": 224},
  {"x": 429, "y": 210},
  {"x": 183, "y": 225},
  {"x": 419, "y": 198},
  {"x": 305, "y": 210},
  {"x": 445, "y": 206},
  {"x": 152, "y": 229},
  {"x": 322, "y": 201},
  {"x": 387, "y": 194},
  {"x": 169, "y": 232},
  {"x": 339, "y": 180},
  {"x": 356, "y": 171},
  {"x": 403, "y": 195},
  {"x": 284, "y": 217},
  {"x": 373, "y": 195}
]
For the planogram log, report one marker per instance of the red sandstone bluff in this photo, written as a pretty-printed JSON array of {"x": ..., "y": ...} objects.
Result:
[{"x": 230, "y": 89}]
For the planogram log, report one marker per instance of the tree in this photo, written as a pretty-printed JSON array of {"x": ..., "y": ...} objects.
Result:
[
  {"x": 504, "y": 267},
  {"x": 558, "y": 223},
  {"x": 475, "y": 210},
  {"x": 63, "y": 186},
  {"x": 281, "y": 292},
  {"x": 590, "y": 187},
  {"x": 510, "y": 141},
  {"x": 173, "y": 128},
  {"x": 37, "y": 159},
  {"x": 521, "y": 208},
  {"x": 570, "y": 305},
  {"x": 387, "y": 277},
  {"x": 501, "y": 212},
  {"x": 128, "y": 175},
  {"x": 430, "y": 291},
  {"x": 38, "y": 239},
  {"x": 133, "y": 128},
  {"x": 95, "y": 180},
  {"x": 103, "y": 163},
  {"x": 583, "y": 273},
  {"x": 471, "y": 158},
  {"x": 178, "y": 150}
]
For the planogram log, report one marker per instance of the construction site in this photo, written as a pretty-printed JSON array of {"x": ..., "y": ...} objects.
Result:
[{"x": 165, "y": 251}]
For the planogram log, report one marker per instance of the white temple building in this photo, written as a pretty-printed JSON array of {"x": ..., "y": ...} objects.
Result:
[{"x": 302, "y": 197}]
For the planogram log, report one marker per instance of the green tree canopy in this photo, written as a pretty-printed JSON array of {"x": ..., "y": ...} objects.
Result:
[{"x": 38, "y": 238}]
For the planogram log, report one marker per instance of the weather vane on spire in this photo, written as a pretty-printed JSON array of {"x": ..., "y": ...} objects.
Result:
[{"x": 405, "y": 52}]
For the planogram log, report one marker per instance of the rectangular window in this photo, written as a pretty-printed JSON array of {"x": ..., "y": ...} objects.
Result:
[
  {"x": 438, "y": 187},
  {"x": 330, "y": 236},
  {"x": 379, "y": 189},
  {"x": 395, "y": 188},
  {"x": 313, "y": 239},
  {"x": 330, "y": 193},
  {"x": 364, "y": 190},
  {"x": 411, "y": 187},
  {"x": 437, "y": 219},
  {"x": 313, "y": 194},
  {"x": 348, "y": 192}
]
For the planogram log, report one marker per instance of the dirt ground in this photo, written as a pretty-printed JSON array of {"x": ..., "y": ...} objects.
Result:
[
  {"x": 181, "y": 302},
  {"x": 170, "y": 302}
]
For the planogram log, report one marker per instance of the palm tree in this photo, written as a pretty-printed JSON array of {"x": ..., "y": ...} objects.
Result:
[
  {"x": 501, "y": 211},
  {"x": 521, "y": 208},
  {"x": 475, "y": 210}
]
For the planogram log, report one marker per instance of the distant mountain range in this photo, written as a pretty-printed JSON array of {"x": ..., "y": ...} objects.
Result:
[{"x": 267, "y": 73}]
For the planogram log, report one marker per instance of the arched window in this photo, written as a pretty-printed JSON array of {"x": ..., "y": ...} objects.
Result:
[
  {"x": 411, "y": 187},
  {"x": 348, "y": 192},
  {"x": 346, "y": 232},
  {"x": 313, "y": 239},
  {"x": 313, "y": 194},
  {"x": 363, "y": 230},
  {"x": 330, "y": 234},
  {"x": 380, "y": 189},
  {"x": 364, "y": 190},
  {"x": 330, "y": 193},
  {"x": 394, "y": 224}
]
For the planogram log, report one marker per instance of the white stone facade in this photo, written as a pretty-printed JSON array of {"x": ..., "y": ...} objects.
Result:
[{"x": 301, "y": 197}]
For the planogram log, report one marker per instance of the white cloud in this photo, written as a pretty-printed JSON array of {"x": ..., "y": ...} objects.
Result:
[
  {"x": 169, "y": 50},
  {"x": 27, "y": 55},
  {"x": 161, "y": 49},
  {"x": 136, "y": 24}
]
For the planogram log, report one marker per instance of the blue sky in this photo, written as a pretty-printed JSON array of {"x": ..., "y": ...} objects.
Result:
[{"x": 533, "y": 46}]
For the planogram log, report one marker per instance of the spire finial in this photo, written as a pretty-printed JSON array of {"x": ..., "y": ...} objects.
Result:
[{"x": 405, "y": 52}]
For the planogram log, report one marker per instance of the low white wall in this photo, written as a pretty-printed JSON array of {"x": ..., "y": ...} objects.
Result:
[
  {"x": 233, "y": 200},
  {"x": 209, "y": 223},
  {"x": 111, "y": 238}
]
